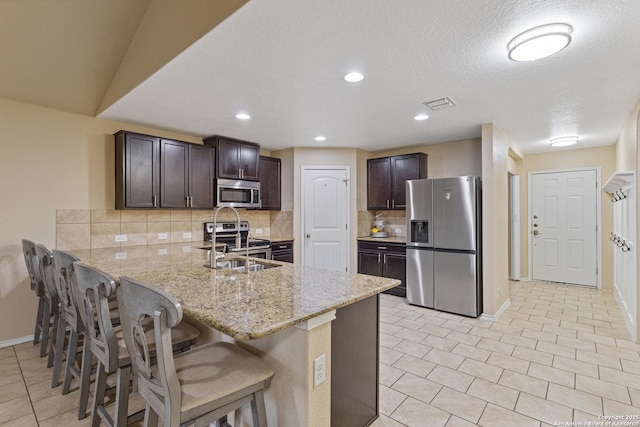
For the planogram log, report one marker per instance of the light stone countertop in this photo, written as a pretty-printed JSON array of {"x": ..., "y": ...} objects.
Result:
[
  {"x": 391, "y": 239},
  {"x": 243, "y": 306}
]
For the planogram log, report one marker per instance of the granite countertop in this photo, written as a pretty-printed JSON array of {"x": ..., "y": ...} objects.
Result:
[
  {"x": 244, "y": 306},
  {"x": 279, "y": 239},
  {"x": 391, "y": 239}
]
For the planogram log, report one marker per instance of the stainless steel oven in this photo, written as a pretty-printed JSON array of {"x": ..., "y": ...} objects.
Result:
[
  {"x": 226, "y": 234},
  {"x": 237, "y": 194}
]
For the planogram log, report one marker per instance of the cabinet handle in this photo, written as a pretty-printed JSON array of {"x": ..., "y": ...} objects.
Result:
[
  {"x": 283, "y": 247},
  {"x": 382, "y": 247},
  {"x": 387, "y": 204},
  {"x": 154, "y": 201},
  {"x": 187, "y": 201},
  {"x": 378, "y": 258},
  {"x": 190, "y": 201},
  {"x": 384, "y": 258},
  {"x": 393, "y": 204}
]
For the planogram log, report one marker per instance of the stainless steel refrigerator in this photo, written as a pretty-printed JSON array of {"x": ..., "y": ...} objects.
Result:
[{"x": 444, "y": 262}]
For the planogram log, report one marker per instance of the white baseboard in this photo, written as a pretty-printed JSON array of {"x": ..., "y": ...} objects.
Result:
[
  {"x": 15, "y": 341},
  {"x": 493, "y": 318}
]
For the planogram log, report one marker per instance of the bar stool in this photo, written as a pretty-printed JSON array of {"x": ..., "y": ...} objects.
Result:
[
  {"x": 93, "y": 288},
  {"x": 64, "y": 276},
  {"x": 51, "y": 313},
  {"x": 30, "y": 260},
  {"x": 199, "y": 386}
]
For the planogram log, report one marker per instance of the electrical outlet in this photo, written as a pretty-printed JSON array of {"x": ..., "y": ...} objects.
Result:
[
  {"x": 121, "y": 238},
  {"x": 186, "y": 249},
  {"x": 163, "y": 251},
  {"x": 186, "y": 235},
  {"x": 163, "y": 236},
  {"x": 319, "y": 370},
  {"x": 398, "y": 230},
  {"x": 121, "y": 255},
  {"x": 258, "y": 230},
  {"x": 499, "y": 292}
]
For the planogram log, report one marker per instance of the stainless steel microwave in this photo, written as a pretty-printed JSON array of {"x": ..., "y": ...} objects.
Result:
[{"x": 237, "y": 193}]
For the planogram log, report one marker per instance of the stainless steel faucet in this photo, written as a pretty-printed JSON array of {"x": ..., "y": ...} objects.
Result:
[{"x": 214, "y": 258}]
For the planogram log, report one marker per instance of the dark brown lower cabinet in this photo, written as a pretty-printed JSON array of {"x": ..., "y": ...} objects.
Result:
[
  {"x": 354, "y": 364},
  {"x": 282, "y": 251},
  {"x": 384, "y": 260}
]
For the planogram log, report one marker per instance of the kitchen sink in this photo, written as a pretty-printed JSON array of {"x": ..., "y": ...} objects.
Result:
[{"x": 239, "y": 264}]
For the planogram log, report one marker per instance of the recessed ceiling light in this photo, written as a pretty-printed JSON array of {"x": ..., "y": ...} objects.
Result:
[
  {"x": 320, "y": 138},
  {"x": 243, "y": 116},
  {"x": 539, "y": 42},
  {"x": 354, "y": 77},
  {"x": 421, "y": 117},
  {"x": 564, "y": 141}
]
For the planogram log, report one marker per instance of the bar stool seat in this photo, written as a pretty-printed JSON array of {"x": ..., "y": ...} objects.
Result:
[
  {"x": 93, "y": 288},
  {"x": 199, "y": 386}
]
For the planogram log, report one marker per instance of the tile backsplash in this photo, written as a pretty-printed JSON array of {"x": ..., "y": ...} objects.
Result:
[
  {"x": 395, "y": 220},
  {"x": 98, "y": 228}
]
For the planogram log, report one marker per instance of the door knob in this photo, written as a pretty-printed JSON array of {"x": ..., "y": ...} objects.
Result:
[{"x": 308, "y": 235}]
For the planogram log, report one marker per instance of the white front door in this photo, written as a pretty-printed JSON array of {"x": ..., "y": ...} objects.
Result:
[
  {"x": 325, "y": 218},
  {"x": 563, "y": 223}
]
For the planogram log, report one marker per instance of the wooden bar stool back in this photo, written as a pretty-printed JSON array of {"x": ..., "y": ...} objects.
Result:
[
  {"x": 31, "y": 262},
  {"x": 65, "y": 281},
  {"x": 199, "y": 386},
  {"x": 51, "y": 315}
]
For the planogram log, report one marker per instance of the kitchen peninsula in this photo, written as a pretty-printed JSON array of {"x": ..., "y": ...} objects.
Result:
[{"x": 288, "y": 314}]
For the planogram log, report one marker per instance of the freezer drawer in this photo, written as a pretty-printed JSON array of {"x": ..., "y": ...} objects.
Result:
[
  {"x": 456, "y": 283},
  {"x": 420, "y": 277}
]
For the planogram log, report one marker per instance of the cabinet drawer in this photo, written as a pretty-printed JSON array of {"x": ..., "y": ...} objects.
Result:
[
  {"x": 382, "y": 247},
  {"x": 282, "y": 246}
]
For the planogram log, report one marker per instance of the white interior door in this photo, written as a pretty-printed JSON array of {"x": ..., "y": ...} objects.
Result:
[
  {"x": 325, "y": 219},
  {"x": 563, "y": 224}
]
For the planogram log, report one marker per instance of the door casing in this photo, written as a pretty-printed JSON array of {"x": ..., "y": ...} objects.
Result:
[{"x": 597, "y": 169}]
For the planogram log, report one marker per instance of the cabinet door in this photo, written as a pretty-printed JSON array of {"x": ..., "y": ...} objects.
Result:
[
  {"x": 228, "y": 165},
  {"x": 395, "y": 267},
  {"x": 378, "y": 183},
  {"x": 140, "y": 169},
  {"x": 270, "y": 182},
  {"x": 201, "y": 176},
  {"x": 370, "y": 263},
  {"x": 403, "y": 168},
  {"x": 174, "y": 174},
  {"x": 249, "y": 161}
]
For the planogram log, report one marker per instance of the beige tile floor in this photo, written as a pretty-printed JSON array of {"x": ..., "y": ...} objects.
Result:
[{"x": 558, "y": 354}]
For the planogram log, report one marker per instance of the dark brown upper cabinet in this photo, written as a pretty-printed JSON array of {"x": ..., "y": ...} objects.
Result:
[
  {"x": 152, "y": 172},
  {"x": 270, "y": 183},
  {"x": 386, "y": 177},
  {"x": 186, "y": 175},
  {"x": 236, "y": 159}
]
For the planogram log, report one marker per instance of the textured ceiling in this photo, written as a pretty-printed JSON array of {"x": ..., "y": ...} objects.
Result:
[{"x": 283, "y": 61}]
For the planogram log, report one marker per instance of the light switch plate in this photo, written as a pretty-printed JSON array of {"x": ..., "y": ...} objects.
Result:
[
  {"x": 186, "y": 235},
  {"x": 121, "y": 238},
  {"x": 163, "y": 251},
  {"x": 163, "y": 236},
  {"x": 258, "y": 230}
]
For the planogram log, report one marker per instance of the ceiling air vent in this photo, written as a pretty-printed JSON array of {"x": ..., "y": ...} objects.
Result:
[{"x": 440, "y": 104}]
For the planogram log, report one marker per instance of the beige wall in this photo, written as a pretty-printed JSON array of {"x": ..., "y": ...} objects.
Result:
[
  {"x": 48, "y": 160},
  {"x": 604, "y": 157},
  {"x": 455, "y": 158},
  {"x": 495, "y": 220}
]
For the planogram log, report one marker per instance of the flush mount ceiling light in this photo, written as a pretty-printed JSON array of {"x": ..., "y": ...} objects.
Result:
[
  {"x": 354, "y": 77},
  {"x": 243, "y": 116},
  {"x": 539, "y": 42},
  {"x": 564, "y": 141},
  {"x": 421, "y": 117},
  {"x": 320, "y": 138}
]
